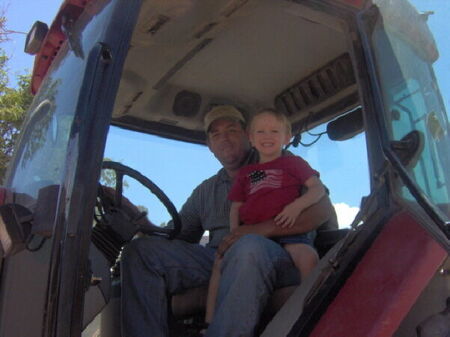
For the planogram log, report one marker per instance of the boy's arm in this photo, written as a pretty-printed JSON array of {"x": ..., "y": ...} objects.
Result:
[
  {"x": 290, "y": 212},
  {"x": 234, "y": 214},
  {"x": 309, "y": 220}
]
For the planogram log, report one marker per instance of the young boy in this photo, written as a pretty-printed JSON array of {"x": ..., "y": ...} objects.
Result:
[{"x": 270, "y": 189}]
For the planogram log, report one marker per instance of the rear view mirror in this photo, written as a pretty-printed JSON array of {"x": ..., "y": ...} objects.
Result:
[
  {"x": 346, "y": 126},
  {"x": 15, "y": 228},
  {"x": 35, "y": 38},
  {"x": 18, "y": 224},
  {"x": 409, "y": 148}
]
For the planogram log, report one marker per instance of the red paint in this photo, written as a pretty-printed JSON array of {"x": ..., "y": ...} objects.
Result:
[
  {"x": 53, "y": 41},
  {"x": 385, "y": 284}
]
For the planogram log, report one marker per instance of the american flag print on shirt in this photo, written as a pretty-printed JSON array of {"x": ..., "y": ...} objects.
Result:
[{"x": 259, "y": 179}]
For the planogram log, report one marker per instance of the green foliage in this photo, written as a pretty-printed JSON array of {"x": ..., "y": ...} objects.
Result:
[
  {"x": 108, "y": 177},
  {"x": 14, "y": 103},
  {"x": 142, "y": 208}
]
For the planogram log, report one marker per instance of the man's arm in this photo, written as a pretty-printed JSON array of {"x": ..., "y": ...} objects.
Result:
[
  {"x": 289, "y": 214},
  {"x": 191, "y": 230},
  {"x": 234, "y": 215},
  {"x": 191, "y": 226},
  {"x": 309, "y": 220}
]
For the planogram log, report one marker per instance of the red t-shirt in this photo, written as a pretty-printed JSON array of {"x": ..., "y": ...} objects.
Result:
[{"x": 266, "y": 188}]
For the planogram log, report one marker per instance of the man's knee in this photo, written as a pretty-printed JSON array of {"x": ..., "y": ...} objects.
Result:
[
  {"x": 145, "y": 246},
  {"x": 250, "y": 243},
  {"x": 255, "y": 253},
  {"x": 253, "y": 248}
]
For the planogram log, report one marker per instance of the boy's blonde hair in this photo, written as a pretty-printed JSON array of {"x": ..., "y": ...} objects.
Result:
[{"x": 277, "y": 114}]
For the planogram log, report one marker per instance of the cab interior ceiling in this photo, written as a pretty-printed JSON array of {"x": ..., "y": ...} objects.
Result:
[{"x": 186, "y": 56}]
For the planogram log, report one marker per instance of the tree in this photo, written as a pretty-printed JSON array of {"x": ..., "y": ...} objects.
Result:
[{"x": 14, "y": 102}]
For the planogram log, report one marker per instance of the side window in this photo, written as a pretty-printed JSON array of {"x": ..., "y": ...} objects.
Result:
[
  {"x": 408, "y": 105},
  {"x": 343, "y": 168},
  {"x": 412, "y": 101}
]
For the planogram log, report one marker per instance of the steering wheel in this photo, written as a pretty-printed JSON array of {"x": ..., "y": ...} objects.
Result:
[{"x": 124, "y": 218}]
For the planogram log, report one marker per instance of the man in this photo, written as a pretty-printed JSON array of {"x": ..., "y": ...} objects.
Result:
[{"x": 253, "y": 265}]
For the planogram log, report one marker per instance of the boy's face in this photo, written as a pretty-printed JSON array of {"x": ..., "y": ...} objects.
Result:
[{"x": 268, "y": 135}]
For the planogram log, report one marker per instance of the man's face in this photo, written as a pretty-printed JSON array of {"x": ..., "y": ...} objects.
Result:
[{"x": 229, "y": 143}]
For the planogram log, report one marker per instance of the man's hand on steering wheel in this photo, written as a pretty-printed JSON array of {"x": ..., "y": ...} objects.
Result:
[{"x": 128, "y": 207}]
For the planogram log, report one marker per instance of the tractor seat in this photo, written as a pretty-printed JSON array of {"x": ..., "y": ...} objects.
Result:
[{"x": 193, "y": 301}]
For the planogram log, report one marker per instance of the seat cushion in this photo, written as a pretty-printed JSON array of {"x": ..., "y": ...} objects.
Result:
[
  {"x": 193, "y": 301},
  {"x": 326, "y": 239},
  {"x": 189, "y": 303}
]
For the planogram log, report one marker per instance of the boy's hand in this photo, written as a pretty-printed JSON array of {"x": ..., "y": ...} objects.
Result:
[{"x": 286, "y": 218}]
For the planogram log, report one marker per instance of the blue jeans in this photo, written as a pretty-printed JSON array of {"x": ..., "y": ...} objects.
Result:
[{"x": 154, "y": 267}]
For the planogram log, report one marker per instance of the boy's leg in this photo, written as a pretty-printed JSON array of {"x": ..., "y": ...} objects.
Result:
[
  {"x": 151, "y": 269},
  {"x": 304, "y": 257},
  {"x": 213, "y": 288}
]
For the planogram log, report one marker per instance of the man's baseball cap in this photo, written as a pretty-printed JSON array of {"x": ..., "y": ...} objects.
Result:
[{"x": 222, "y": 111}]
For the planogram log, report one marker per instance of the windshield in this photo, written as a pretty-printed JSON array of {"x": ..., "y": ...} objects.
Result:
[
  {"x": 42, "y": 152},
  {"x": 413, "y": 101},
  {"x": 44, "y": 141}
]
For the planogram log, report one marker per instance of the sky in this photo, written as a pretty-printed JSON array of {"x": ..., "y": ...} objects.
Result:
[{"x": 152, "y": 158}]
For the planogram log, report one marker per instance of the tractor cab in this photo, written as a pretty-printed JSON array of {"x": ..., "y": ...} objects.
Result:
[{"x": 116, "y": 129}]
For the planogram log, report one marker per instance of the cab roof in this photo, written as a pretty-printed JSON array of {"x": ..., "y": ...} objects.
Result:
[{"x": 186, "y": 56}]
